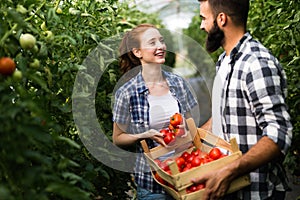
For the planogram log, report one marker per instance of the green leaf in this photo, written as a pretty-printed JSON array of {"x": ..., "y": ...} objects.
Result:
[
  {"x": 72, "y": 143},
  {"x": 67, "y": 191}
]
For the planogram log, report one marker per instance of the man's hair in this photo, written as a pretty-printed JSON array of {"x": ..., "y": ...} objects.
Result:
[{"x": 236, "y": 9}]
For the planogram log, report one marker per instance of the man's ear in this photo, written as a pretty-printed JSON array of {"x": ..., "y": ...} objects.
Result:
[
  {"x": 222, "y": 19},
  {"x": 137, "y": 52}
]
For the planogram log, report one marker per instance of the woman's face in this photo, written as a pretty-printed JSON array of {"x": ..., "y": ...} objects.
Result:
[{"x": 152, "y": 48}]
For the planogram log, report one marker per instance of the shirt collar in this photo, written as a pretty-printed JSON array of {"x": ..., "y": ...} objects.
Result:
[
  {"x": 236, "y": 51},
  {"x": 141, "y": 85}
]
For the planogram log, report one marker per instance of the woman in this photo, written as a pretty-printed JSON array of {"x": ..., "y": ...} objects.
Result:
[{"x": 144, "y": 104}]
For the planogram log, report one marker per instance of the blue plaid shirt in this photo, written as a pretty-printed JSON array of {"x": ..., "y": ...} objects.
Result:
[
  {"x": 253, "y": 106},
  {"x": 132, "y": 108}
]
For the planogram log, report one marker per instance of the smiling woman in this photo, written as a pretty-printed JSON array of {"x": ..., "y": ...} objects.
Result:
[{"x": 151, "y": 94}]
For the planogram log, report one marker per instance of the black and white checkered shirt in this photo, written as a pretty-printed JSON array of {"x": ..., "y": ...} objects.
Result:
[{"x": 253, "y": 106}]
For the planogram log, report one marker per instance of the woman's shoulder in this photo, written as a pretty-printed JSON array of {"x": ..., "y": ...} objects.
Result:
[
  {"x": 173, "y": 76},
  {"x": 127, "y": 87}
]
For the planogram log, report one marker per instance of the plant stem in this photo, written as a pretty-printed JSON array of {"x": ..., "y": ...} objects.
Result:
[{"x": 7, "y": 34}]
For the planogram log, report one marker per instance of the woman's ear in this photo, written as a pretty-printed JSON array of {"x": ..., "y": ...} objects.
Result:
[{"x": 137, "y": 52}]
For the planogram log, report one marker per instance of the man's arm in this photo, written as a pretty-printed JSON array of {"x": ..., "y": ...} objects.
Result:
[
  {"x": 207, "y": 125},
  {"x": 218, "y": 182}
]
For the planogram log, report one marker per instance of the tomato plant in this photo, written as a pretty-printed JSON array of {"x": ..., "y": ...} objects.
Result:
[{"x": 38, "y": 135}]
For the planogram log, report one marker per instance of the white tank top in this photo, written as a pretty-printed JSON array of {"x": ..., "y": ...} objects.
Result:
[
  {"x": 216, "y": 96},
  {"x": 161, "y": 108}
]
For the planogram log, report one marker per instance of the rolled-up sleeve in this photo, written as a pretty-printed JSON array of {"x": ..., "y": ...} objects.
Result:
[{"x": 265, "y": 83}]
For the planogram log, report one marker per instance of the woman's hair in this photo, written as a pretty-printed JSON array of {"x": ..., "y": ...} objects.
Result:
[{"x": 131, "y": 39}]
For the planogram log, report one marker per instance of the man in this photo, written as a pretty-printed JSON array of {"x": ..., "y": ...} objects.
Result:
[{"x": 249, "y": 105}]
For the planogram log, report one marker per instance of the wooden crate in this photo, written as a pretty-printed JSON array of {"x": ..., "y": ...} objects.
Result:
[{"x": 204, "y": 140}]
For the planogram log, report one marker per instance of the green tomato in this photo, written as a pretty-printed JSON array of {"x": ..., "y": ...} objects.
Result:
[
  {"x": 35, "y": 49},
  {"x": 17, "y": 75},
  {"x": 59, "y": 11},
  {"x": 35, "y": 64},
  {"x": 49, "y": 35},
  {"x": 21, "y": 9},
  {"x": 43, "y": 26},
  {"x": 27, "y": 41}
]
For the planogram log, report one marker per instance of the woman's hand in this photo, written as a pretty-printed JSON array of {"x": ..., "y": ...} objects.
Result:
[{"x": 154, "y": 135}]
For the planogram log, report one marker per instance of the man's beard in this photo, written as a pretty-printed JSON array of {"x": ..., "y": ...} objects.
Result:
[{"x": 214, "y": 38}]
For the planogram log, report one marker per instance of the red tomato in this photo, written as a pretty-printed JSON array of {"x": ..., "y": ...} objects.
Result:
[
  {"x": 159, "y": 179},
  {"x": 185, "y": 155},
  {"x": 203, "y": 155},
  {"x": 165, "y": 164},
  {"x": 176, "y": 120},
  {"x": 200, "y": 186},
  {"x": 215, "y": 153},
  {"x": 192, "y": 188},
  {"x": 190, "y": 158},
  {"x": 171, "y": 128},
  {"x": 187, "y": 167},
  {"x": 207, "y": 160},
  {"x": 179, "y": 132},
  {"x": 158, "y": 162},
  {"x": 196, "y": 161},
  {"x": 164, "y": 131},
  {"x": 196, "y": 152},
  {"x": 169, "y": 138},
  {"x": 180, "y": 163},
  {"x": 7, "y": 66}
]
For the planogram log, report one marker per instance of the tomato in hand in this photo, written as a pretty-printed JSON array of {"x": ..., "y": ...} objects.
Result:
[
  {"x": 215, "y": 153},
  {"x": 176, "y": 120},
  {"x": 178, "y": 132},
  {"x": 169, "y": 138},
  {"x": 164, "y": 131},
  {"x": 171, "y": 128}
]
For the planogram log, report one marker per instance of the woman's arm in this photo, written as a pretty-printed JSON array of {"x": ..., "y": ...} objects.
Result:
[{"x": 121, "y": 138}]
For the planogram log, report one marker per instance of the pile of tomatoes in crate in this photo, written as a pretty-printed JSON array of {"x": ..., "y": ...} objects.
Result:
[
  {"x": 175, "y": 129},
  {"x": 188, "y": 160}
]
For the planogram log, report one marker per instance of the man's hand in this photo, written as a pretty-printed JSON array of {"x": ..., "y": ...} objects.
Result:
[{"x": 216, "y": 183}]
